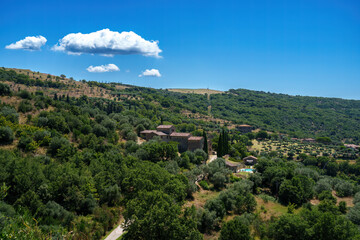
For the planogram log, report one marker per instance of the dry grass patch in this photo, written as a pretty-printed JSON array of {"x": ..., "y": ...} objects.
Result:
[
  {"x": 201, "y": 197},
  {"x": 268, "y": 209},
  {"x": 196, "y": 91}
]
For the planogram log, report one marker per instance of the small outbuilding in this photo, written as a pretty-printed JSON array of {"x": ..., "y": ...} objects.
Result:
[
  {"x": 244, "y": 128},
  {"x": 250, "y": 160}
]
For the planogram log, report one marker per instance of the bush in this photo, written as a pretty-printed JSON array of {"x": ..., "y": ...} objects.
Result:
[
  {"x": 57, "y": 143},
  {"x": 27, "y": 144},
  {"x": 24, "y": 94},
  {"x": 42, "y": 137},
  {"x": 354, "y": 214},
  {"x": 235, "y": 229},
  {"x": 322, "y": 185},
  {"x": 204, "y": 185},
  {"x": 344, "y": 189},
  {"x": 6, "y": 135},
  {"x": 99, "y": 130},
  {"x": 4, "y": 89},
  {"x": 10, "y": 114},
  {"x": 356, "y": 198},
  {"x": 25, "y": 106}
]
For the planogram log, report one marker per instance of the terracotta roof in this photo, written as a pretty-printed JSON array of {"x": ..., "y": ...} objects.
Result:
[
  {"x": 160, "y": 133},
  {"x": 164, "y": 126},
  {"x": 176, "y": 134},
  {"x": 351, "y": 146},
  {"x": 250, "y": 158},
  {"x": 231, "y": 164},
  {"x": 192, "y": 138},
  {"x": 147, "y": 131}
]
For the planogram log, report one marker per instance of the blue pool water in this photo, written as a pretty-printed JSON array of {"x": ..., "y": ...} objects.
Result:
[{"x": 249, "y": 170}]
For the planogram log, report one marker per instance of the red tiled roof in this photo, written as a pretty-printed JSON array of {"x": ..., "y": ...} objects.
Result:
[
  {"x": 160, "y": 133},
  {"x": 232, "y": 164},
  {"x": 192, "y": 138},
  {"x": 147, "y": 131},
  {"x": 164, "y": 126},
  {"x": 250, "y": 158},
  {"x": 176, "y": 134}
]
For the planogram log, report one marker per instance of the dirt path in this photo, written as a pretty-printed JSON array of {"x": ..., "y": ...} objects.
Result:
[{"x": 115, "y": 234}]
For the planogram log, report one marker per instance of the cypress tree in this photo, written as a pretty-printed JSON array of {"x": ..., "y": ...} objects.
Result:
[
  {"x": 220, "y": 146},
  {"x": 205, "y": 148},
  {"x": 226, "y": 142}
]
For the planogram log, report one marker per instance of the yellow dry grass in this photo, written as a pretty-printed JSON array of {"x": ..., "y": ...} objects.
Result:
[{"x": 196, "y": 91}]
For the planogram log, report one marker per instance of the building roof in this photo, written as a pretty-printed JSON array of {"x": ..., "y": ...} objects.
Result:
[
  {"x": 308, "y": 139},
  {"x": 176, "y": 134},
  {"x": 164, "y": 126},
  {"x": 351, "y": 146},
  {"x": 192, "y": 138},
  {"x": 147, "y": 131},
  {"x": 231, "y": 164},
  {"x": 250, "y": 158},
  {"x": 160, "y": 133}
]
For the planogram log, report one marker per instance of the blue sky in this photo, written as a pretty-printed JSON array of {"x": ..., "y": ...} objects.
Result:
[{"x": 307, "y": 47}]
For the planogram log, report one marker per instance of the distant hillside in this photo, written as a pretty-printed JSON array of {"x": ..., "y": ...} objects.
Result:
[
  {"x": 297, "y": 116},
  {"x": 196, "y": 91}
]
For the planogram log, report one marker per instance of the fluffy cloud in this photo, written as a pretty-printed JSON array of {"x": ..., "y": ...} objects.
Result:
[
  {"x": 29, "y": 43},
  {"x": 150, "y": 73},
  {"x": 108, "y": 43},
  {"x": 103, "y": 68}
]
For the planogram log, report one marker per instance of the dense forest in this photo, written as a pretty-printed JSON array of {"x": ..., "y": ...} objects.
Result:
[{"x": 76, "y": 167}]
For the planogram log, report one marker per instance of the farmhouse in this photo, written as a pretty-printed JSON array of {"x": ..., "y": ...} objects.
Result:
[
  {"x": 195, "y": 143},
  {"x": 353, "y": 146},
  {"x": 167, "y": 133},
  {"x": 250, "y": 160},
  {"x": 167, "y": 129},
  {"x": 309, "y": 140},
  {"x": 244, "y": 128},
  {"x": 232, "y": 166}
]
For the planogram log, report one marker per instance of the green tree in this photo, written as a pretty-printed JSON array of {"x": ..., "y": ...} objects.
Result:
[
  {"x": 235, "y": 229},
  {"x": 298, "y": 190},
  {"x": 206, "y": 147},
  {"x": 289, "y": 227},
  {"x": 6, "y": 135}
]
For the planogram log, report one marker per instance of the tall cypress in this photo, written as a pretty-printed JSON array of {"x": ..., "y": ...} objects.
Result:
[
  {"x": 205, "y": 148},
  {"x": 226, "y": 142},
  {"x": 220, "y": 145}
]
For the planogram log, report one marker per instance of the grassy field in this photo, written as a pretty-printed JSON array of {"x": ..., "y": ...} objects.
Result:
[{"x": 296, "y": 148}]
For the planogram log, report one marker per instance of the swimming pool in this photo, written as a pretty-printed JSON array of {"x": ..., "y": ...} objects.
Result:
[{"x": 249, "y": 170}]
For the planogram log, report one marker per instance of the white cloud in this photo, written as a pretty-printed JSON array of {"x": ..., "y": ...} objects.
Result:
[
  {"x": 150, "y": 73},
  {"x": 103, "y": 68},
  {"x": 29, "y": 43},
  {"x": 108, "y": 43}
]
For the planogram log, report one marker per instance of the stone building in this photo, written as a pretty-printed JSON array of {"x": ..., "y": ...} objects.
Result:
[
  {"x": 167, "y": 133},
  {"x": 182, "y": 139},
  {"x": 168, "y": 129},
  {"x": 244, "y": 128},
  {"x": 195, "y": 143},
  {"x": 250, "y": 160}
]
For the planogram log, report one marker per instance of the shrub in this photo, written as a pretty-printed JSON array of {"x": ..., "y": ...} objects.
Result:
[
  {"x": 25, "y": 106},
  {"x": 10, "y": 114},
  {"x": 204, "y": 185},
  {"x": 344, "y": 189},
  {"x": 6, "y": 135},
  {"x": 24, "y": 94},
  {"x": 4, "y": 89},
  {"x": 27, "y": 144}
]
